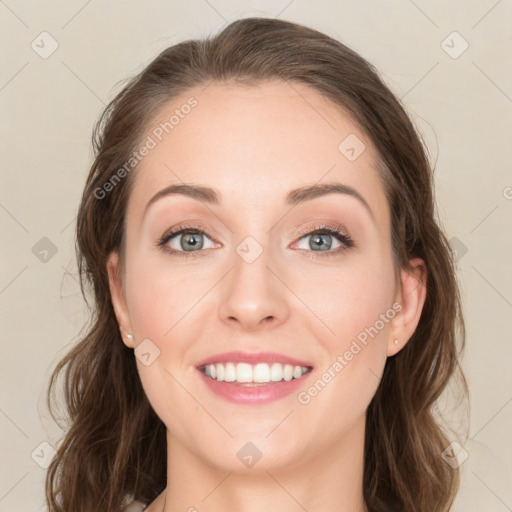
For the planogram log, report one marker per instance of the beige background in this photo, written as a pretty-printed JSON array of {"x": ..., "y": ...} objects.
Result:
[{"x": 462, "y": 105}]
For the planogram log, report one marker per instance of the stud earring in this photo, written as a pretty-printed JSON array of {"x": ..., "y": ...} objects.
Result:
[
  {"x": 129, "y": 336},
  {"x": 396, "y": 342}
]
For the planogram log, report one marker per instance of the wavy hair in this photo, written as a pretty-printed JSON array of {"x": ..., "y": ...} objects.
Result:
[{"x": 113, "y": 445}]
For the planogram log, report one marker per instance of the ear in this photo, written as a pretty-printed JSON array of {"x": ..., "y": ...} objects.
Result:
[
  {"x": 118, "y": 298},
  {"x": 411, "y": 297}
]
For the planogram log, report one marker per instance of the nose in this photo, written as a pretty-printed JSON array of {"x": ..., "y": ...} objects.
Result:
[{"x": 253, "y": 295}]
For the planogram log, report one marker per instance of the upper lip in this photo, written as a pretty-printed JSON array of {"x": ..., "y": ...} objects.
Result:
[{"x": 252, "y": 358}]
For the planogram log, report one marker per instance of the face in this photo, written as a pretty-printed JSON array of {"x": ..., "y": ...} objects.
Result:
[{"x": 267, "y": 274}]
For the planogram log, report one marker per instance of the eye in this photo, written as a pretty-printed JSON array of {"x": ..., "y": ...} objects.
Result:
[
  {"x": 189, "y": 240},
  {"x": 320, "y": 240}
]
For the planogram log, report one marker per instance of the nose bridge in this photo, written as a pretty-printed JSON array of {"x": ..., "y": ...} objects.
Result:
[{"x": 253, "y": 294}]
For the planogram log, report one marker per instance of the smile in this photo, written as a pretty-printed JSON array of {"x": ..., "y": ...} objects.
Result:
[{"x": 253, "y": 374}]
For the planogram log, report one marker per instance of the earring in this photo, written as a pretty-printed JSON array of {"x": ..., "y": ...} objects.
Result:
[
  {"x": 396, "y": 342},
  {"x": 129, "y": 336}
]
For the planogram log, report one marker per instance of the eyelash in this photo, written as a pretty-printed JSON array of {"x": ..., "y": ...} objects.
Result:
[{"x": 345, "y": 239}]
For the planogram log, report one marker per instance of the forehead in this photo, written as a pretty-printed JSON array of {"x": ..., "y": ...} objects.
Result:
[{"x": 254, "y": 143}]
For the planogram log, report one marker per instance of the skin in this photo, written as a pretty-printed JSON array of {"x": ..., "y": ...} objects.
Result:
[{"x": 254, "y": 144}]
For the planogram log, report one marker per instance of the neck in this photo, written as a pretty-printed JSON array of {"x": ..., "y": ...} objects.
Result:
[{"x": 331, "y": 480}]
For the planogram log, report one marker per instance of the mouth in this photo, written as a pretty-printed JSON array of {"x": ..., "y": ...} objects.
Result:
[
  {"x": 250, "y": 375},
  {"x": 253, "y": 378}
]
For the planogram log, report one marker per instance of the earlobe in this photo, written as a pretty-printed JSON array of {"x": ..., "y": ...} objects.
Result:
[
  {"x": 118, "y": 299},
  {"x": 411, "y": 297}
]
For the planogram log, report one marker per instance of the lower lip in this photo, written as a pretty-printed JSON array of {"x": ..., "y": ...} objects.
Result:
[{"x": 257, "y": 394}]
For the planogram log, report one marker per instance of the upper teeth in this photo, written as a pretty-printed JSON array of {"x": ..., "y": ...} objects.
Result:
[{"x": 261, "y": 372}]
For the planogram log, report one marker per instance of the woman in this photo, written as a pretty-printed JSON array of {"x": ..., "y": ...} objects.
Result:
[{"x": 276, "y": 308}]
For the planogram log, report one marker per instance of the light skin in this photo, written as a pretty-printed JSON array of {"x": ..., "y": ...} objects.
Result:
[{"x": 254, "y": 144}]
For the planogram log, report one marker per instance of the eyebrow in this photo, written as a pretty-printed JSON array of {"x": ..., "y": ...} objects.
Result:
[{"x": 293, "y": 198}]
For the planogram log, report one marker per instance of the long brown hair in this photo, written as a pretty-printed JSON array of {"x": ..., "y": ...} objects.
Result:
[{"x": 114, "y": 446}]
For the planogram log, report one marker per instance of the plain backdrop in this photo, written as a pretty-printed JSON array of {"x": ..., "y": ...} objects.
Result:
[{"x": 61, "y": 62}]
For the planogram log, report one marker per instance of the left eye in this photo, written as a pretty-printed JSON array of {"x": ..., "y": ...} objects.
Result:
[{"x": 321, "y": 238}]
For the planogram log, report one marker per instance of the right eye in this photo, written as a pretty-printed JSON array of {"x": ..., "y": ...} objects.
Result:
[{"x": 189, "y": 239}]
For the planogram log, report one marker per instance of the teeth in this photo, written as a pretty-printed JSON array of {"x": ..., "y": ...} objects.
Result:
[
  {"x": 276, "y": 372},
  {"x": 230, "y": 372},
  {"x": 288, "y": 372},
  {"x": 259, "y": 373},
  {"x": 213, "y": 371},
  {"x": 297, "y": 372}
]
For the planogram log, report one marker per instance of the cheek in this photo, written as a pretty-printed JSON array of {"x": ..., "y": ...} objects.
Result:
[
  {"x": 163, "y": 308},
  {"x": 349, "y": 297},
  {"x": 354, "y": 310},
  {"x": 167, "y": 301},
  {"x": 158, "y": 296}
]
